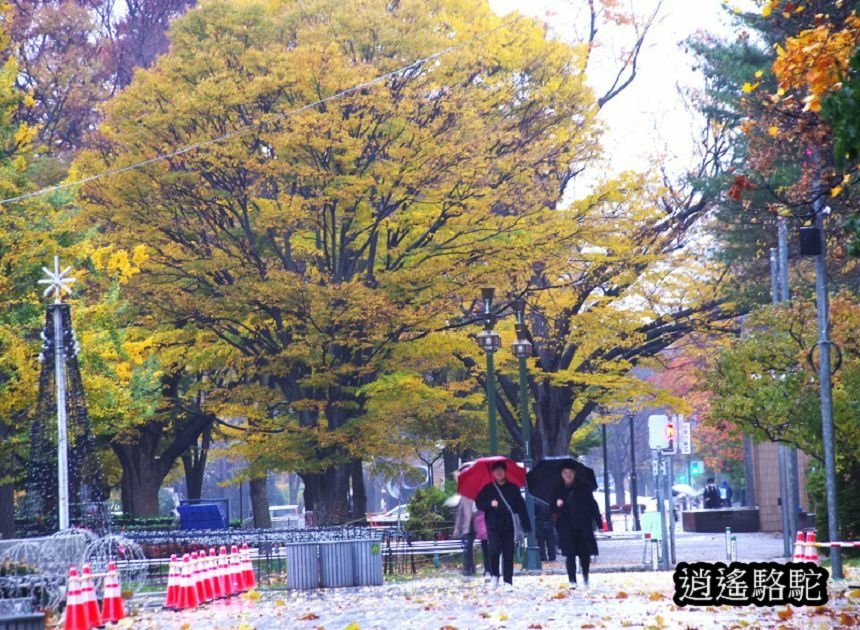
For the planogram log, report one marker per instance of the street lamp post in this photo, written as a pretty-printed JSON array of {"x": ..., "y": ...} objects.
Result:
[
  {"x": 490, "y": 341},
  {"x": 634, "y": 491},
  {"x": 522, "y": 349}
]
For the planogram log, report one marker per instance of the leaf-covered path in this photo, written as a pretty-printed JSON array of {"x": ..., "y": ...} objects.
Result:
[{"x": 615, "y": 600}]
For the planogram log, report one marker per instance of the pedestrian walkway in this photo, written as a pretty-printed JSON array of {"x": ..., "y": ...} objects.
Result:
[{"x": 614, "y": 600}]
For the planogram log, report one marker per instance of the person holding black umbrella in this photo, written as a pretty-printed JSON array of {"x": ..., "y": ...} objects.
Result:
[
  {"x": 501, "y": 503},
  {"x": 577, "y": 514}
]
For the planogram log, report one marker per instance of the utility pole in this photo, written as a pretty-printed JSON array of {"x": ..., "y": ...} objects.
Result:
[
  {"x": 607, "y": 514},
  {"x": 634, "y": 490},
  {"x": 780, "y": 447},
  {"x": 793, "y": 488},
  {"x": 827, "y": 433}
]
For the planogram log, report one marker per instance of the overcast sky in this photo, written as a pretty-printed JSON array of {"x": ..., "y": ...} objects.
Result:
[{"x": 649, "y": 120}]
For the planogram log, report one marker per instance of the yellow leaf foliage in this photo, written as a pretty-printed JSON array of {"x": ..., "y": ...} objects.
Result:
[{"x": 815, "y": 60}]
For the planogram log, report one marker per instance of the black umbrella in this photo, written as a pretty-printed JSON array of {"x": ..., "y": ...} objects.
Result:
[{"x": 545, "y": 478}]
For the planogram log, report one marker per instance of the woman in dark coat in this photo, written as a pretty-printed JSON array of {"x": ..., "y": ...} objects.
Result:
[
  {"x": 577, "y": 514},
  {"x": 500, "y": 500}
]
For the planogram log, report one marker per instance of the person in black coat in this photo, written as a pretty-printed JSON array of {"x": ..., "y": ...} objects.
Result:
[
  {"x": 577, "y": 514},
  {"x": 499, "y": 517},
  {"x": 545, "y": 530}
]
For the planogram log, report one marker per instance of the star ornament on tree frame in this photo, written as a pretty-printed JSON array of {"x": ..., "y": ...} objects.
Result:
[{"x": 58, "y": 281}]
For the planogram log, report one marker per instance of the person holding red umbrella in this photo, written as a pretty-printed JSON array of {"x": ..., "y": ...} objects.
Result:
[{"x": 501, "y": 502}]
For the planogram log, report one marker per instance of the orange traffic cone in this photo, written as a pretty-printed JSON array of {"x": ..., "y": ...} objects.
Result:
[
  {"x": 76, "y": 614},
  {"x": 250, "y": 579},
  {"x": 799, "y": 548},
  {"x": 197, "y": 578},
  {"x": 605, "y": 527},
  {"x": 94, "y": 617},
  {"x": 112, "y": 609},
  {"x": 238, "y": 585},
  {"x": 224, "y": 572},
  {"x": 174, "y": 575},
  {"x": 206, "y": 576},
  {"x": 215, "y": 574},
  {"x": 187, "y": 590},
  {"x": 811, "y": 548}
]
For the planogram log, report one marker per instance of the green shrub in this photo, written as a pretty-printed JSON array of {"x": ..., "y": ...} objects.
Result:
[{"x": 428, "y": 514}]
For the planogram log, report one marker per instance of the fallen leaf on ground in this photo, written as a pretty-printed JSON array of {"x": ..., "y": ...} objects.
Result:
[
  {"x": 309, "y": 617},
  {"x": 655, "y": 596},
  {"x": 785, "y": 613},
  {"x": 621, "y": 595},
  {"x": 847, "y": 620}
]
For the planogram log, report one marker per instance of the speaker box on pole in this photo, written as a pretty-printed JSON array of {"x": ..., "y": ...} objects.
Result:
[{"x": 810, "y": 241}]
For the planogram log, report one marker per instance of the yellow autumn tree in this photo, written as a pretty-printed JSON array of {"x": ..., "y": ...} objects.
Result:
[{"x": 321, "y": 227}]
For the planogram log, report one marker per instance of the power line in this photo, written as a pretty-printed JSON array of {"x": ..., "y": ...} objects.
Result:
[{"x": 251, "y": 127}]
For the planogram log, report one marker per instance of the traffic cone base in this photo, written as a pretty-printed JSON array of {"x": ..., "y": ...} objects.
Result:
[
  {"x": 224, "y": 572},
  {"x": 94, "y": 617},
  {"x": 215, "y": 575},
  {"x": 76, "y": 615},
  {"x": 112, "y": 607},
  {"x": 250, "y": 579},
  {"x": 174, "y": 572},
  {"x": 187, "y": 589}
]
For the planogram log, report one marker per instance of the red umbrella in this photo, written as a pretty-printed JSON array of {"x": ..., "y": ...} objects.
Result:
[{"x": 472, "y": 479}]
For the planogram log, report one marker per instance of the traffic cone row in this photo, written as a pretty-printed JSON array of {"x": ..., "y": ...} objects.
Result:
[
  {"x": 82, "y": 608},
  {"x": 198, "y": 579},
  {"x": 805, "y": 548}
]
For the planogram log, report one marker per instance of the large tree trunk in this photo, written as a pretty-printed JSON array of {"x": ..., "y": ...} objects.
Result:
[
  {"x": 552, "y": 427},
  {"x": 141, "y": 480},
  {"x": 145, "y": 462},
  {"x": 194, "y": 463},
  {"x": 142, "y": 473},
  {"x": 260, "y": 503},
  {"x": 327, "y": 495},
  {"x": 7, "y": 510}
]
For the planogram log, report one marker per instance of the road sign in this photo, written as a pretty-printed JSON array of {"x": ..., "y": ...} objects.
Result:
[{"x": 685, "y": 436}]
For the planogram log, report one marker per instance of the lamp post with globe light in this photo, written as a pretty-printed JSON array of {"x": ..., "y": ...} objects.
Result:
[
  {"x": 522, "y": 349},
  {"x": 490, "y": 341}
]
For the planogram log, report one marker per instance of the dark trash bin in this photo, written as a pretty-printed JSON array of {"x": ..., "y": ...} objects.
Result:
[
  {"x": 367, "y": 561},
  {"x": 303, "y": 567},
  {"x": 33, "y": 621},
  {"x": 336, "y": 563}
]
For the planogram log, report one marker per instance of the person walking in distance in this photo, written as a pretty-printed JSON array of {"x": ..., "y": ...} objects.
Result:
[
  {"x": 577, "y": 514},
  {"x": 464, "y": 529},
  {"x": 725, "y": 494},
  {"x": 711, "y": 495},
  {"x": 501, "y": 503},
  {"x": 545, "y": 531}
]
